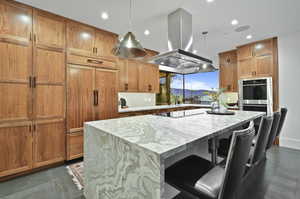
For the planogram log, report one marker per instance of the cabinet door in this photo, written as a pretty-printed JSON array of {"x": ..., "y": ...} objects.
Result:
[
  {"x": 49, "y": 66},
  {"x": 154, "y": 79},
  {"x": 264, "y": 66},
  {"x": 133, "y": 75},
  {"x": 15, "y": 22},
  {"x": 80, "y": 99},
  {"x": 104, "y": 43},
  {"x": 49, "y": 30},
  {"x": 15, "y": 148},
  {"x": 74, "y": 145},
  {"x": 48, "y": 142},
  {"x": 263, "y": 48},
  {"x": 145, "y": 77},
  {"x": 106, "y": 94},
  {"x": 246, "y": 68},
  {"x": 80, "y": 39},
  {"x": 123, "y": 75},
  {"x": 245, "y": 52},
  {"x": 228, "y": 71}
]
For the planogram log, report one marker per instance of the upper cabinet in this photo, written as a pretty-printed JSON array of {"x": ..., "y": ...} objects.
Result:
[
  {"x": 104, "y": 43},
  {"x": 228, "y": 71},
  {"x": 256, "y": 59},
  {"x": 80, "y": 39},
  {"x": 15, "y": 22},
  {"x": 149, "y": 78},
  {"x": 88, "y": 41},
  {"x": 49, "y": 30}
]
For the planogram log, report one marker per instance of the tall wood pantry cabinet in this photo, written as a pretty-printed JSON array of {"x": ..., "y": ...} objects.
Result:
[{"x": 32, "y": 103}]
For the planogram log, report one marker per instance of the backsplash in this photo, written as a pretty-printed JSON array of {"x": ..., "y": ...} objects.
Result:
[{"x": 139, "y": 99}]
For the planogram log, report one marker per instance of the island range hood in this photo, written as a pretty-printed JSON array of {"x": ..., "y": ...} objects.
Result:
[{"x": 180, "y": 58}]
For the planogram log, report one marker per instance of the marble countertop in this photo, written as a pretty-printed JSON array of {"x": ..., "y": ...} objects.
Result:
[
  {"x": 157, "y": 107},
  {"x": 166, "y": 136}
]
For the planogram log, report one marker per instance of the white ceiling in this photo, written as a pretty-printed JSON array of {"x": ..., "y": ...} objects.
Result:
[{"x": 267, "y": 18}]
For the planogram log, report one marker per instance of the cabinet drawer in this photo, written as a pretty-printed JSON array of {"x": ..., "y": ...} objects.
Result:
[
  {"x": 74, "y": 145},
  {"x": 88, "y": 61}
]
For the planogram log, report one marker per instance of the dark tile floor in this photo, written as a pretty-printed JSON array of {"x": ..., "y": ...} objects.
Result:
[{"x": 279, "y": 178}]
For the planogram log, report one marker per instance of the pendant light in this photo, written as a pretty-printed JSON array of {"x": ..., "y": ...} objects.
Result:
[{"x": 129, "y": 46}]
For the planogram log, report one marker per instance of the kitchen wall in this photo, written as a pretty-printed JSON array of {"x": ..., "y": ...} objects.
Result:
[
  {"x": 139, "y": 99},
  {"x": 289, "y": 91}
]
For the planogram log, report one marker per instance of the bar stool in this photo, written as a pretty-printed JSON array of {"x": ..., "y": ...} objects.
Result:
[{"x": 197, "y": 177}]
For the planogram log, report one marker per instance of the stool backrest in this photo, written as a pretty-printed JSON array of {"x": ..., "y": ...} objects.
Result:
[
  {"x": 282, "y": 120},
  {"x": 262, "y": 139},
  {"x": 274, "y": 129},
  {"x": 236, "y": 162}
]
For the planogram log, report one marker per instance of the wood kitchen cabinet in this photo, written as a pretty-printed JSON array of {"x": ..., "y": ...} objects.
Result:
[
  {"x": 80, "y": 98},
  {"x": 149, "y": 78},
  {"x": 106, "y": 88},
  {"x": 260, "y": 59},
  {"x": 16, "y": 22},
  {"x": 48, "y": 142},
  {"x": 15, "y": 148},
  {"x": 91, "y": 95},
  {"x": 80, "y": 39},
  {"x": 228, "y": 71},
  {"x": 128, "y": 75},
  {"x": 49, "y": 31},
  {"x": 104, "y": 43},
  {"x": 15, "y": 72}
]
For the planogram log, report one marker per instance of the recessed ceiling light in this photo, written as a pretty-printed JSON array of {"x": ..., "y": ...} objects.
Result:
[
  {"x": 210, "y": 1},
  {"x": 234, "y": 22},
  {"x": 249, "y": 37},
  {"x": 147, "y": 32},
  {"x": 194, "y": 51},
  {"x": 104, "y": 15}
]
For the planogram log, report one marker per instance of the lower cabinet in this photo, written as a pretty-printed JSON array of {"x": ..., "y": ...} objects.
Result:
[
  {"x": 15, "y": 148},
  {"x": 74, "y": 145},
  {"x": 48, "y": 142}
]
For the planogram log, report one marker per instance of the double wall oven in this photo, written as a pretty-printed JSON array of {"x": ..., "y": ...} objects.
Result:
[{"x": 256, "y": 94}]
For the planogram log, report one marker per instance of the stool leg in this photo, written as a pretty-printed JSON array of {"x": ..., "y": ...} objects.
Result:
[{"x": 213, "y": 145}]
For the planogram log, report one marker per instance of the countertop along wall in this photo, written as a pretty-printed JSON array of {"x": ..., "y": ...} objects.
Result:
[{"x": 289, "y": 91}]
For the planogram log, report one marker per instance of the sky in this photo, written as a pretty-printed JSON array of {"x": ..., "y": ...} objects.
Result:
[{"x": 198, "y": 81}]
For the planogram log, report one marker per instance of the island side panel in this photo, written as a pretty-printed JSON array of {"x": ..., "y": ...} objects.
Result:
[{"x": 117, "y": 169}]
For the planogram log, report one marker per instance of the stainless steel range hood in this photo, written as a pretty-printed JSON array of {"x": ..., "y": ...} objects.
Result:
[{"x": 180, "y": 58}]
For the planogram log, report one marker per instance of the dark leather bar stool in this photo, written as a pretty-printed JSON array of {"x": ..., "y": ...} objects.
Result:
[
  {"x": 274, "y": 129},
  {"x": 197, "y": 177},
  {"x": 257, "y": 153}
]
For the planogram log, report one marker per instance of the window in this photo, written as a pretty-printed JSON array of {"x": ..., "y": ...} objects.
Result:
[
  {"x": 195, "y": 86},
  {"x": 189, "y": 89}
]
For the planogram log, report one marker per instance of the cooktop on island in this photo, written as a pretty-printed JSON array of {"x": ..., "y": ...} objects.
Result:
[{"x": 180, "y": 114}]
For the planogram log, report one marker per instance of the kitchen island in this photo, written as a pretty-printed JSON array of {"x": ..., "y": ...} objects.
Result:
[{"x": 125, "y": 157}]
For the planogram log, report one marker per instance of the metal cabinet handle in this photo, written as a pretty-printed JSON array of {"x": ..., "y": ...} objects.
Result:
[
  {"x": 150, "y": 87},
  {"x": 94, "y": 61},
  {"x": 126, "y": 86}
]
